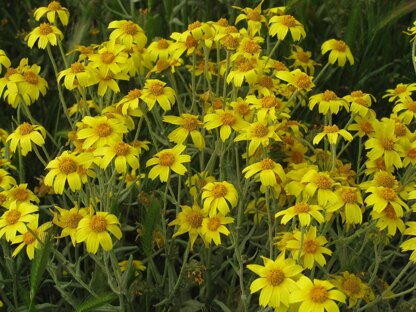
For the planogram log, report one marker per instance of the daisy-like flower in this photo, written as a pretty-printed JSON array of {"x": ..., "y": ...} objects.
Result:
[
  {"x": 406, "y": 108},
  {"x": 303, "y": 211},
  {"x": 364, "y": 125},
  {"x": 388, "y": 218},
  {"x": 189, "y": 221},
  {"x": 67, "y": 168},
  {"x": 244, "y": 69},
  {"x": 19, "y": 194},
  {"x": 331, "y": 133},
  {"x": 109, "y": 81},
  {"x": 302, "y": 59},
  {"x": 258, "y": 133},
  {"x": 53, "y": 10},
  {"x": 156, "y": 91},
  {"x": 338, "y": 52},
  {"x": 159, "y": 49},
  {"x": 315, "y": 296},
  {"x": 99, "y": 131},
  {"x": 6, "y": 181},
  {"x": 15, "y": 219},
  {"x": 242, "y": 109},
  {"x": 266, "y": 107},
  {"x": 45, "y": 34},
  {"x": 282, "y": 24},
  {"x": 319, "y": 183},
  {"x": 184, "y": 43},
  {"x": 127, "y": 33},
  {"x": 95, "y": 231},
  {"x": 122, "y": 153},
  {"x": 359, "y": 102},
  {"x": 68, "y": 220},
  {"x": 111, "y": 58},
  {"x": 226, "y": 120},
  {"x": 213, "y": 226},
  {"x": 328, "y": 102},
  {"x": 311, "y": 249},
  {"x": 384, "y": 144},
  {"x": 381, "y": 197},
  {"x": 267, "y": 170},
  {"x": 277, "y": 279},
  {"x": 265, "y": 85},
  {"x": 355, "y": 289},
  {"x": 196, "y": 182},
  {"x": 129, "y": 104},
  {"x": 167, "y": 160},
  {"x": 300, "y": 80},
  {"x": 254, "y": 18},
  {"x": 30, "y": 241},
  {"x": 77, "y": 75},
  {"x": 24, "y": 136},
  {"x": 219, "y": 196},
  {"x": 350, "y": 200},
  {"x": 409, "y": 152},
  {"x": 189, "y": 125},
  {"x": 410, "y": 244},
  {"x": 402, "y": 91}
]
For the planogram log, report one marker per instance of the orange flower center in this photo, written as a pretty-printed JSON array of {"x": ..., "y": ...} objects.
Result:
[
  {"x": 318, "y": 294},
  {"x": 267, "y": 164},
  {"x": 411, "y": 106},
  {"x": 230, "y": 42},
  {"x": 301, "y": 208},
  {"x": 349, "y": 196},
  {"x": 266, "y": 82},
  {"x": 228, "y": 119},
  {"x": 222, "y": 22},
  {"x": 260, "y": 131},
  {"x": 130, "y": 28},
  {"x": 194, "y": 219},
  {"x": 20, "y": 194},
  {"x": 275, "y": 277},
  {"x": 279, "y": 66},
  {"x": 2, "y": 196},
  {"x": 230, "y": 30},
  {"x": 340, "y": 46},
  {"x": 161, "y": 65},
  {"x": 98, "y": 224},
  {"x": 25, "y": 128},
  {"x": 400, "y": 130},
  {"x": 12, "y": 217},
  {"x": 218, "y": 104},
  {"x": 107, "y": 57},
  {"x": 302, "y": 56},
  {"x": 162, "y": 44},
  {"x": 331, "y": 129},
  {"x": 45, "y": 29},
  {"x": 411, "y": 153},
  {"x": 31, "y": 77},
  {"x": 134, "y": 94},
  {"x": 254, "y": 15},
  {"x": 28, "y": 238},
  {"x": 219, "y": 190},
  {"x": 366, "y": 127},
  {"x": 243, "y": 109},
  {"x": 289, "y": 21},
  {"x": 67, "y": 166},
  {"x": 400, "y": 89},
  {"x": 357, "y": 94},
  {"x": 302, "y": 81},
  {"x": 104, "y": 130},
  {"x": 194, "y": 25},
  {"x": 121, "y": 149},
  {"x": 156, "y": 89},
  {"x": 297, "y": 157},
  {"x": 190, "y": 42},
  {"x": 73, "y": 220},
  {"x": 10, "y": 71},
  {"x": 387, "y": 144},
  {"x": 190, "y": 123},
  {"x": 77, "y": 68},
  {"x": 213, "y": 224},
  {"x": 323, "y": 182},
  {"x": 166, "y": 159},
  {"x": 251, "y": 47},
  {"x": 380, "y": 164},
  {"x": 361, "y": 101},
  {"x": 244, "y": 66},
  {"x": 389, "y": 212},
  {"x": 329, "y": 96},
  {"x": 310, "y": 246},
  {"x": 387, "y": 194},
  {"x": 54, "y": 6},
  {"x": 269, "y": 102},
  {"x": 352, "y": 286}
]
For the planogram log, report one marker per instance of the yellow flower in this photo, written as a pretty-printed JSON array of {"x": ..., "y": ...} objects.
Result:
[
  {"x": 244, "y": 69},
  {"x": 189, "y": 125},
  {"x": 109, "y": 81},
  {"x": 303, "y": 211},
  {"x": 226, "y": 120},
  {"x": 402, "y": 91},
  {"x": 130, "y": 103},
  {"x": 351, "y": 285},
  {"x": 167, "y": 160},
  {"x": 159, "y": 49},
  {"x": 9, "y": 87},
  {"x": 267, "y": 107},
  {"x": 351, "y": 200},
  {"x": 310, "y": 247},
  {"x": 15, "y": 219},
  {"x": 127, "y": 33},
  {"x": 196, "y": 182},
  {"x": 137, "y": 265},
  {"x": 381, "y": 197},
  {"x": 183, "y": 43},
  {"x": 54, "y": 8},
  {"x": 68, "y": 220},
  {"x": 19, "y": 194},
  {"x": 360, "y": 102},
  {"x": 99, "y": 131},
  {"x": 156, "y": 91},
  {"x": 331, "y": 133},
  {"x": 338, "y": 52},
  {"x": 364, "y": 125},
  {"x": 410, "y": 244},
  {"x": 219, "y": 196},
  {"x": 67, "y": 167},
  {"x": 319, "y": 183},
  {"x": 76, "y": 76},
  {"x": 30, "y": 241},
  {"x": 409, "y": 152},
  {"x": 281, "y": 25},
  {"x": 24, "y": 136},
  {"x": 6, "y": 181},
  {"x": 122, "y": 153},
  {"x": 297, "y": 78},
  {"x": 302, "y": 59},
  {"x": 45, "y": 34},
  {"x": 277, "y": 279},
  {"x": 328, "y": 102},
  {"x": 267, "y": 170},
  {"x": 257, "y": 133},
  {"x": 94, "y": 231},
  {"x": 254, "y": 18},
  {"x": 189, "y": 221},
  {"x": 4, "y": 60},
  {"x": 389, "y": 219},
  {"x": 316, "y": 296},
  {"x": 110, "y": 59},
  {"x": 406, "y": 107},
  {"x": 213, "y": 226}
]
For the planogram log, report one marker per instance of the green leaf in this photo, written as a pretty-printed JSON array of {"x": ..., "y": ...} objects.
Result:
[{"x": 96, "y": 302}]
